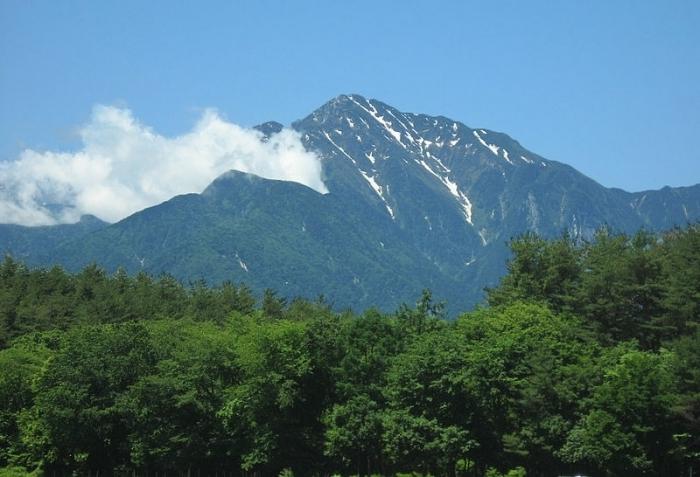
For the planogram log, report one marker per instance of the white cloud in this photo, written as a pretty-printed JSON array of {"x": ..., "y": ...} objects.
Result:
[{"x": 124, "y": 166}]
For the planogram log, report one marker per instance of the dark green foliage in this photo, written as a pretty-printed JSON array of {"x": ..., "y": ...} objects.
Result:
[
  {"x": 272, "y": 305},
  {"x": 686, "y": 368},
  {"x": 39, "y": 299},
  {"x": 586, "y": 362},
  {"x": 78, "y": 420},
  {"x": 534, "y": 368},
  {"x": 681, "y": 279},
  {"x": 172, "y": 410},
  {"x": 627, "y": 424},
  {"x": 19, "y": 367},
  {"x": 642, "y": 287},
  {"x": 540, "y": 270}
]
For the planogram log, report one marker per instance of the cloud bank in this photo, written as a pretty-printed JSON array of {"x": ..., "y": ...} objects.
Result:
[{"x": 123, "y": 166}]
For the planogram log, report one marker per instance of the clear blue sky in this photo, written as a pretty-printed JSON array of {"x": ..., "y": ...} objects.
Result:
[{"x": 610, "y": 87}]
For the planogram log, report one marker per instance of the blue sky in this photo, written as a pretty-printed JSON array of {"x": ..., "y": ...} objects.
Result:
[{"x": 610, "y": 87}]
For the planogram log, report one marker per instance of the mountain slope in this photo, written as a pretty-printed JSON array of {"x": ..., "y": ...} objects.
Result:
[
  {"x": 493, "y": 184},
  {"x": 414, "y": 201},
  {"x": 34, "y": 245},
  {"x": 460, "y": 193},
  {"x": 265, "y": 233}
]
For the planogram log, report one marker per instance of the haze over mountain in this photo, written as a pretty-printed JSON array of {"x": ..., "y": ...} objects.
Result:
[{"x": 413, "y": 201}]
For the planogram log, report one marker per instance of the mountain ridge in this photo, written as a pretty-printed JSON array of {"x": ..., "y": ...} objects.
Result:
[{"x": 413, "y": 201}]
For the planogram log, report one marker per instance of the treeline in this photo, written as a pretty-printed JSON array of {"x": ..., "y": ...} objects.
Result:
[
  {"x": 644, "y": 288},
  {"x": 585, "y": 361}
]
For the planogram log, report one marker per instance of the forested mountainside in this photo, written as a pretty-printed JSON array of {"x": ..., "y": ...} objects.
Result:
[
  {"x": 585, "y": 361},
  {"x": 414, "y": 201}
]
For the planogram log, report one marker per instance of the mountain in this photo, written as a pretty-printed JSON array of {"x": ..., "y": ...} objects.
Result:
[
  {"x": 414, "y": 201},
  {"x": 34, "y": 245},
  {"x": 265, "y": 233}
]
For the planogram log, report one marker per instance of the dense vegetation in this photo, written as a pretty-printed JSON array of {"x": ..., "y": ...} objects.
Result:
[{"x": 586, "y": 360}]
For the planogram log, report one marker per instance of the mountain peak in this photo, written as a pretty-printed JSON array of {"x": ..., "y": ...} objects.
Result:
[
  {"x": 229, "y": 179},
  {"x": 91, "y": 220},
  {"x": 269, "y": 128},
  {"x": 347, "y": 98},
  {"x": 351, "y": 121},
  {"x": 343, "y": 103},
  {"x": 347, "y": 104}
]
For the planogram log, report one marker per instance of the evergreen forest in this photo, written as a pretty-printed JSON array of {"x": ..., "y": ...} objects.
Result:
[{"x": 584, "y": 360}]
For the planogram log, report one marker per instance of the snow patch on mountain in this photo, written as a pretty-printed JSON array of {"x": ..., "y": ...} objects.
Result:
[
  {"x": 379, "y": 190},
  {"x": 241, "y": 263},
  {"x": 387, "y": 125},
  {"x": 494, "y": 149},
  {"x": 453, "y": 189},
  {"x": 338, "y": 147},
  {"x": 505, "y": 156}
]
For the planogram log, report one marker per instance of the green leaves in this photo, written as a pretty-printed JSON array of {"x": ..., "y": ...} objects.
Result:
[
  {"x": 595, "y": 372},
  {"x": 354, "y": 431},
  {"x": 627, "y": 423},
  {"x": 638, "y": 287},
  {"x": 19, "y": 368}
]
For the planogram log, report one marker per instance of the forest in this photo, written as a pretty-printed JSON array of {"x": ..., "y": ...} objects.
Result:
[{"x": 585, "y": 359}]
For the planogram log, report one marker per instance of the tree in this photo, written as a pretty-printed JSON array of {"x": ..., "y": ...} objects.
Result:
[
  {"x": 426, "y": 316},
  {"x": 540, "y": 270},
  {"x": 686, "y": 369},
  {"x": 19, "y": 367},
  {"x": 533, "y": 368},
  {"x": 353, "y": 434},
  {"x": 620, "y": 290},
  {"x": 274, "y": 410},
  {"x": 680, "y": 258},
  {"x": 272, "y": 305},
  {"x": 628, "y": 424},
  {"x": 172, "y": 412},
  {"x": 434, "y": 414},
  {"x": 76, "y": 422}
]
